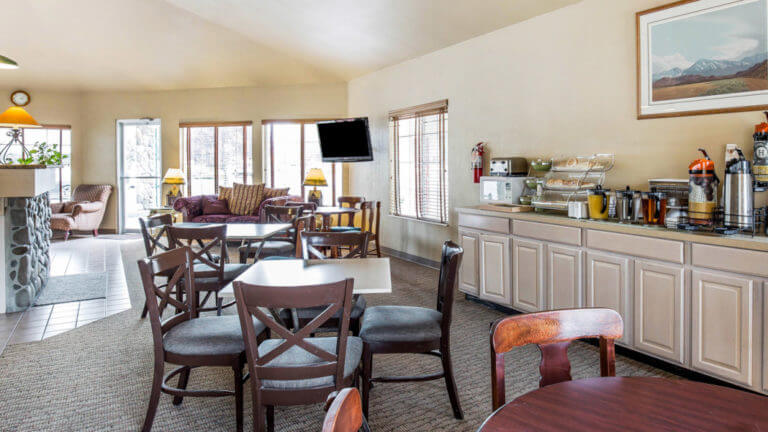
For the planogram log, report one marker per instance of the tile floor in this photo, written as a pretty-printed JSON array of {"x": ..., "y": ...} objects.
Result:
[{"x": 79, "y": 255}]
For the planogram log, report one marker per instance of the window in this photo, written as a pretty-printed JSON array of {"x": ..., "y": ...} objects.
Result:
[
  {"x": 418, "y": 170},
  {"x": 291, "y": 149},
  {"x": 61, "y": 137},
  {"x": 216, "y": 154}
]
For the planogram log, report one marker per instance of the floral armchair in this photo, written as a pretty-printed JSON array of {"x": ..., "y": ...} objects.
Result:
[{"x": 84, "y": 213}]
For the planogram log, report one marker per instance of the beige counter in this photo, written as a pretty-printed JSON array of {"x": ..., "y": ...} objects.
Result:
[{"x": 742, "y": 241}]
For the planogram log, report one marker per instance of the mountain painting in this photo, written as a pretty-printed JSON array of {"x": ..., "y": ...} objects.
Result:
[{"x": 715, "y": 52}]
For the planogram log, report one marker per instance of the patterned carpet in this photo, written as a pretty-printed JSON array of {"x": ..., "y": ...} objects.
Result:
[{"x": 97, "y": 377}]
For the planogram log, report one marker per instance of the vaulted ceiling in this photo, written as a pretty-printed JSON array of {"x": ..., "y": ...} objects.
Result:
[{"x": 176, "y": 44}]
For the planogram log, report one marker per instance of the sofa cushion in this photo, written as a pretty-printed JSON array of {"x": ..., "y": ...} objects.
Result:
[
  {"x": 243, "y": 219},
  {"x": 216, "y": 218},
  {"x": 215, "y": 206},
  {"x": 245, "y": 199},
  {"x": 274, "y": 193},
  {"x": 225, "y": 193}
]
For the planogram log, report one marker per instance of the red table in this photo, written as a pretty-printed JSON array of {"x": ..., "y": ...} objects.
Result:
[{"x": 632, "y": 404}]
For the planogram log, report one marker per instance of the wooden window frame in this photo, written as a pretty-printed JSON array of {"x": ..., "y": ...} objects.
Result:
[
  {"x": 215, "y": 125},
  {"x": 417, "y": 113},
  {"x": 271, "y": 149},
  {"x": 61, "y": 129}
]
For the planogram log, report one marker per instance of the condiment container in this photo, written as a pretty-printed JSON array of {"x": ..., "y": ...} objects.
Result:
[
  {"x": 598, "y": 203},
  {"x": 578, "y": 209},
  {"x": 624, "y": 200},
  {"x": 657, "y": 208}
]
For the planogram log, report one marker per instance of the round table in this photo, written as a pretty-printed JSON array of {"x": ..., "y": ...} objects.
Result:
[
  {"x": 631, "y": 404},
  {"x": 327, "y": 212}
]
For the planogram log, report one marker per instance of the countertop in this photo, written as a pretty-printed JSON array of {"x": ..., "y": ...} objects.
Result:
[{"x": 741, "y": 241}]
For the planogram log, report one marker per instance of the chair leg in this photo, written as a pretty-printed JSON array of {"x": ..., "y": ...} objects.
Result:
[
  {"x": 96, "y": 233},
  {"x": 154, "y": 398},
  {"x": 258, "y": 417},
  {"x": 219, "y": 302},
  {"x": 378, "y": 248},
  {"x": 239, "y": 396},
  {"x": 144, "y": 311},
  {"x": 367, "y": 369},
  {"x": 66, "y": 235},
  {"x": 183, "y": 380},
  {"x": 270, "y": 418},
  {"x": 450, "y": 383}
]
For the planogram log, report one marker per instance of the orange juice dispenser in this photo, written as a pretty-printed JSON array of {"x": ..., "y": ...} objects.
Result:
[{"x": 702, "y": 191}]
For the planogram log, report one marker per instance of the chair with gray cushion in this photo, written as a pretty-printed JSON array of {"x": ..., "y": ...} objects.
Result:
[
  {"x": 415, "y": 330},
  {"x": 296, "y": 369},
  {"x": 212, "y": 272},
  {"x": 186, "y": 339},
  {"x": 283, "y": 245}
]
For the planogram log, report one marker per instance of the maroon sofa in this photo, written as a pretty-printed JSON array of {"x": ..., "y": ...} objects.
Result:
[{"x": 192, "y": 210}]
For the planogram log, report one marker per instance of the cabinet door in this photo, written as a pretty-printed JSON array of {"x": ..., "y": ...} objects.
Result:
[
  {"x": 564, "y": 277},
  {"x": 608, "y": 286},
  {"x": 725, "y": 326},
  {"x": 528, "y": 275},
  {"x": 659, "y": 310},
  {"x": 468, "y": 273},
  {"x": 494, "y": 268}
]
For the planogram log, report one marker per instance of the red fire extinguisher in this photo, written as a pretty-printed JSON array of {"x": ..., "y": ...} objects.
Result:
[{"x": 477, "y": 160}]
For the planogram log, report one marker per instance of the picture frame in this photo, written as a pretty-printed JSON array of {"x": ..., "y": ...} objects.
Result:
[{"x": 698, "y": 57}]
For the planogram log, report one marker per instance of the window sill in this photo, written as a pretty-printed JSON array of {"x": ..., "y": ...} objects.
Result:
[{"x": 413, "y": 219}]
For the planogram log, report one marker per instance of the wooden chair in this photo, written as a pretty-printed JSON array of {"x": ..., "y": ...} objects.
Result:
[
  {"x": 211, "y": 274},
  {"x": 371, "y": 211},
  {"x": 187, "y": 340},
  {"x": 347, "y": 201},
  {"x": 415, "y": 330},
  {"x": 296, "y": 369},
  {"x": 284, "y": 245},
  {"x": 306, "y": 207},
  {"x": 344, "y": 412},
  {"x": 553, "y": 331},
  {"x": 153, "y": 240}
]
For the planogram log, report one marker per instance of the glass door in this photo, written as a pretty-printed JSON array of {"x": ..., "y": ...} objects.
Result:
[{"x": 138, "y": 170}]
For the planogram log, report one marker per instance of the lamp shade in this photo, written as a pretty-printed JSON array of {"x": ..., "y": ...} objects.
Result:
[
  {"x": 6, "y": 63},
  {"x": 174, "y": 176},
  {"x": 315, "y": 177},
  {"x": 16, "y": 117}
]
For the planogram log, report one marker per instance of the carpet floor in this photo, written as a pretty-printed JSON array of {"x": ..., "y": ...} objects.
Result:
[{"x": 97, "y": 377}]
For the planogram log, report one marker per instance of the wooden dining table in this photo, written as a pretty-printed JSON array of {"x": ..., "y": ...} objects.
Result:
[
  {"x": 632, "y": 404},
  {"x": 247, "y": 233}
]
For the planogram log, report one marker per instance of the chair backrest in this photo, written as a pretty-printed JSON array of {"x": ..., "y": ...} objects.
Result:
[
  {"x": 203, "y": 242},
  {"x": 447, "y": 283},
  {"x": 345, "y": 413},
  {"x": 371, "y": 213},
  {"x": 178, "y": 263},
  {"x": 153, "y": 240},
  {"x": 252, "y": 300},
  {"x": 90, "y": 192},
  {"x": 349, "y": 201},
  {"x": 553, "y": 331},
  {"x": 281, "y": 214},
  {"x": 355, "y": 242},
  {"x": 306, "y": 207}
]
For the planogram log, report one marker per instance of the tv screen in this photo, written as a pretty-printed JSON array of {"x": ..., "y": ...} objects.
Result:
[{"x": 346, "y": 140}]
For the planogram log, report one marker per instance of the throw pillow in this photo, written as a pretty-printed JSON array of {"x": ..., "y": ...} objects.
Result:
[
  {"x": 215, "y": 206},
  {"x": 69, "y": 206},
  {"x": 245, "y": 199},
  {"x": 274, "y": 193},
  {"x": 225, "y": 193}
]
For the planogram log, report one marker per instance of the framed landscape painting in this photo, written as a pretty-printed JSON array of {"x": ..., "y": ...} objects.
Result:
[{"x": 702, "y": 57}]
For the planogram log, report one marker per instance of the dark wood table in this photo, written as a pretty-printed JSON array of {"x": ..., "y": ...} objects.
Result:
[
  {"x": 328, "y": 212},
  {"x": 632, "y": 404},
  {"x": 246, "y": 233}
]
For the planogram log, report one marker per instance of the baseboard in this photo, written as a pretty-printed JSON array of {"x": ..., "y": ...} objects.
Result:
[{"x": 412, "y": 258}]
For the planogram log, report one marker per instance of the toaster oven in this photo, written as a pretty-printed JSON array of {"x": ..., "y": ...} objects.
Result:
[{"x": 502, "y": 190}]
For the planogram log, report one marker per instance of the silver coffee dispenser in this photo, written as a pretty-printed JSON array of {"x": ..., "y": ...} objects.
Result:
[{"x": 738, "y": 195}]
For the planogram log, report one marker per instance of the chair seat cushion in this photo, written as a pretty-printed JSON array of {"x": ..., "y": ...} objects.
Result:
[
  {"x": 296, "y": 357},
  {"x": 400, "y": 324},
  {"x": 62, "y": 222},
  {"x": 208, "y": 336},
  {"x": 231, "y": 271},
  {"x": 271, "y": 248},
  {"x": 344, "y": 229}
]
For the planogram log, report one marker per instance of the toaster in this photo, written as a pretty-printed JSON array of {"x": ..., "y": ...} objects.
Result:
[{"x": 509, "y": 167}]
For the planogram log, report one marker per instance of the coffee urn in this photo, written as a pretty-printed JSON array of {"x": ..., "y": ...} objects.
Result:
[
  {"x": 738, "y": 196},
  {"x": 702, "y": 191}
]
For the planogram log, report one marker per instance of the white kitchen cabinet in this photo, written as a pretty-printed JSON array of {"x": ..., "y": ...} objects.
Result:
[
  {"x": 494, "y": 268},
  {"x": 609, "y": 283},
  {"x": 528, "y": 275},
  {"x": 659, "y": 313},
  {"x": 726, "y": 326},
  {"x": 564, "y": 277},
  {"x": 469, "y": 280}
]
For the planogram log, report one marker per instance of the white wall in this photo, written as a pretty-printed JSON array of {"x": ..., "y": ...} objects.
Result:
[{"x": 558, "y": 84}]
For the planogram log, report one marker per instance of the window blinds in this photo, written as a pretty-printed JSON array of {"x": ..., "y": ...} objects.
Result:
[{"x": 418, "y": 171}]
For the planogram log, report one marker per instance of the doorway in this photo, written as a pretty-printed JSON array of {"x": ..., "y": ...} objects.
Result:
[{"x": 139, "y": 156}]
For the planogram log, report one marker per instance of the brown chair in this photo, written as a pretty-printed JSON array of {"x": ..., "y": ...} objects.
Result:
[
  {"x": 187, "y": 340},
  {"x": 553, "y": 331},
  {"x": 371, "y": 222},
  {"x": 349, "y": 225},
  {"x": 345, "y": 412},
  {"x": 153, "y": 240},
  {"x": 84, "y": 212},
  {"x": 296, "y": 369},
  {"x": 212, "y": 272},
  {"x": 284, "y": 245},
  {"x": 415, "y": 330},
  {"x": 306, "y": 207}
]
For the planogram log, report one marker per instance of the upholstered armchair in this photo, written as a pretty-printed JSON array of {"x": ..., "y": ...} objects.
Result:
[{"x": 84, "y": 212}]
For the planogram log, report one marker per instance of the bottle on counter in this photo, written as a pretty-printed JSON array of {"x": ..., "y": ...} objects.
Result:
[{"x": 702, "y": 191}]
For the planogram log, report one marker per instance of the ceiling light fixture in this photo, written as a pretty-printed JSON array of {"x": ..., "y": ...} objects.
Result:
[{"x": 6, "y": 63}]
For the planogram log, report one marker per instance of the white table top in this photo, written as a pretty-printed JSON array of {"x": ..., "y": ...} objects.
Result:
[
  {"x": 371, "y": 275},
  {"x": 245, "y": 231}
]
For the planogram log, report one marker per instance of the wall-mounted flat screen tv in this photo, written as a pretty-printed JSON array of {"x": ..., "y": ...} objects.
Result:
[{"x": 345, "y": 140}]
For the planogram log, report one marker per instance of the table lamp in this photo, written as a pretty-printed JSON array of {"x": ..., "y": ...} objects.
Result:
[
  {"x": 315, "y": 178},
  {"x": 173, "y": 177},
  {"x": 16, "y": 119}
]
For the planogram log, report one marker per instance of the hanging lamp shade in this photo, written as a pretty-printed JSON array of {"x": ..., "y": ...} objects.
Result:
[
  {"x": 16, "y": 117},
  {"x": 6, "y": 63}
]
